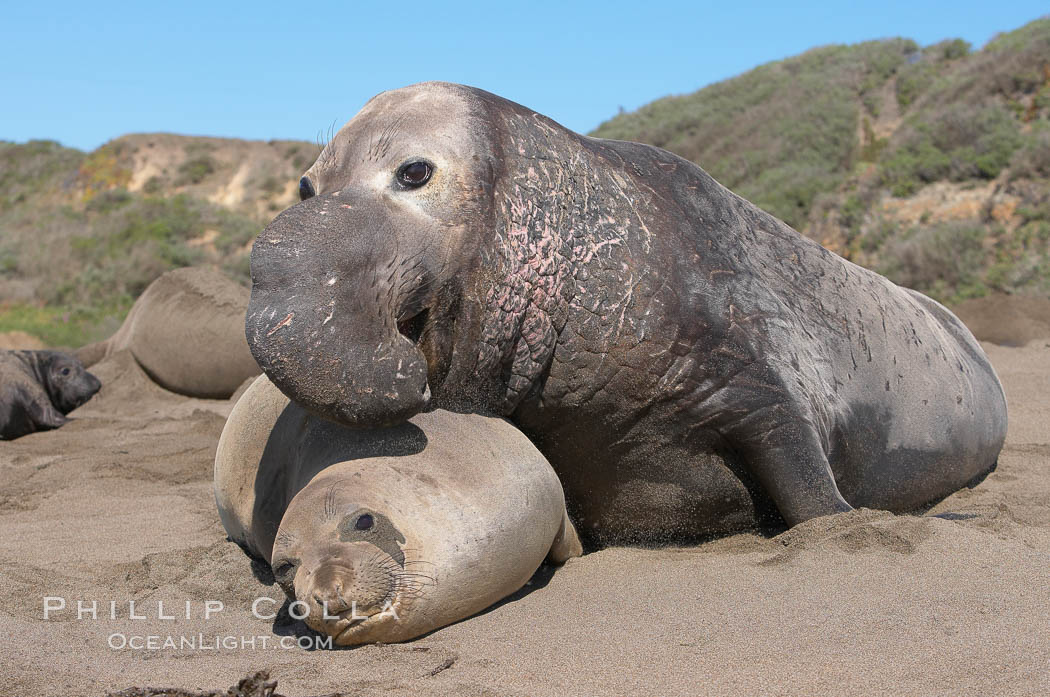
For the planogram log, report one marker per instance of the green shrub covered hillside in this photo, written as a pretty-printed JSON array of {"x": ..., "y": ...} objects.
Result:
[
  {"x": 929, "y": 164},
  {"x": 82, "y": 234}
]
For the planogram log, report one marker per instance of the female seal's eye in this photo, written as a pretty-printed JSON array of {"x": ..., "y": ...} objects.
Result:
[
  {"x": 65, "y": 371},
  {"x": 365, "y": 522},
  {"x": 414, "y": 174}
]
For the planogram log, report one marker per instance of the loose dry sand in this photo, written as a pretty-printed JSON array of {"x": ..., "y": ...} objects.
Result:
[
  {"x": 1009, "y": 320},
  {"x": 117, "y": 506},
  {"x": 20, "y": 341}
]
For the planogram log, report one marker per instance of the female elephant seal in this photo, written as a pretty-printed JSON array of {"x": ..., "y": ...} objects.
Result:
[
  {"x": 682, "y": 358},
  {"x": 186, "y": 330},
  {"x": 385, "y": 535}
]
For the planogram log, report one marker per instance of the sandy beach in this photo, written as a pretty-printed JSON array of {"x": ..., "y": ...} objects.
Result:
[{"x": 117, "y": 506}]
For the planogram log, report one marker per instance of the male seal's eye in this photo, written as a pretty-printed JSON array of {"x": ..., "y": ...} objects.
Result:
[
  {"x": 414, "y": 174},
  {"x": 65, "y": 371},
  {"x": 306, "y": 189},
  {"x": 365, "y": 522}
]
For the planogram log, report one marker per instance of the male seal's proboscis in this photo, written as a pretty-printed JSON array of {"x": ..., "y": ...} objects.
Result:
[
  {"x": 391, "y": 533},
  {"x": 689, "y": 364}
]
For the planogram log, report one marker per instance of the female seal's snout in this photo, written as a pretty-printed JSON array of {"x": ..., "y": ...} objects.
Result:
[{"x": 343, "y": 591}]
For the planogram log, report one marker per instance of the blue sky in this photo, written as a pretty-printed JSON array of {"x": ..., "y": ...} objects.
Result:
[{"x": 85, "y": 72}]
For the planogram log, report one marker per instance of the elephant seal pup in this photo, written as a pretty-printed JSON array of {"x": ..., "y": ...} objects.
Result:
[
  {"x": 683, "y": 359},
  {"x": 390, "y": 533},
  {"x": 38, "y": 388},
  {"x": 186, "y": 330}
]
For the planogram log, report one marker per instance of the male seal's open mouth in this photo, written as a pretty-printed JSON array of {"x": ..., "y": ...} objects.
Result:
[
  {"x": 431, "y": 331},
  {"x": 412, "y": 327}
]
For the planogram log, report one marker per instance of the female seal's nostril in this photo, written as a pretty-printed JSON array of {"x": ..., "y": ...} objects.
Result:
[{"x": 306, "y": 189}]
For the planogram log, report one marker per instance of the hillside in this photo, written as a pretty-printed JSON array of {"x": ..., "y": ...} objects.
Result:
[
  {"x": 82, "y": 234},
  {"x": 929, "y": 164}
]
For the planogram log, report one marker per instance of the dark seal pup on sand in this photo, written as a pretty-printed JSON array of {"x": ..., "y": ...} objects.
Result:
[
  {"x": 683, "y": 359},
  {"x": 38, "y": 388}
]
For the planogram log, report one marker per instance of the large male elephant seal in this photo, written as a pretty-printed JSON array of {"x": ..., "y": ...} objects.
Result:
[
  {"x": 681, "y": 357},
  {"x": 38, "y": 389},
  {"x": 391, "y": 533},
  {"x": 186, "y": 330}
]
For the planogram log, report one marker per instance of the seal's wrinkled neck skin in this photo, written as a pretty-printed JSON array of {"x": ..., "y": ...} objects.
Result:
[
  {"x": 65, "y": 379},
  {"x": 565, "y": 229}
]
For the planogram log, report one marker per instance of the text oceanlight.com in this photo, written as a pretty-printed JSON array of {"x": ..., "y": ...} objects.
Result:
[{"x": 119, "y": 641}]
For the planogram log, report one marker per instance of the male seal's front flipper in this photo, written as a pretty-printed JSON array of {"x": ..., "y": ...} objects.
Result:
[{"x": 789, "y": 462}]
